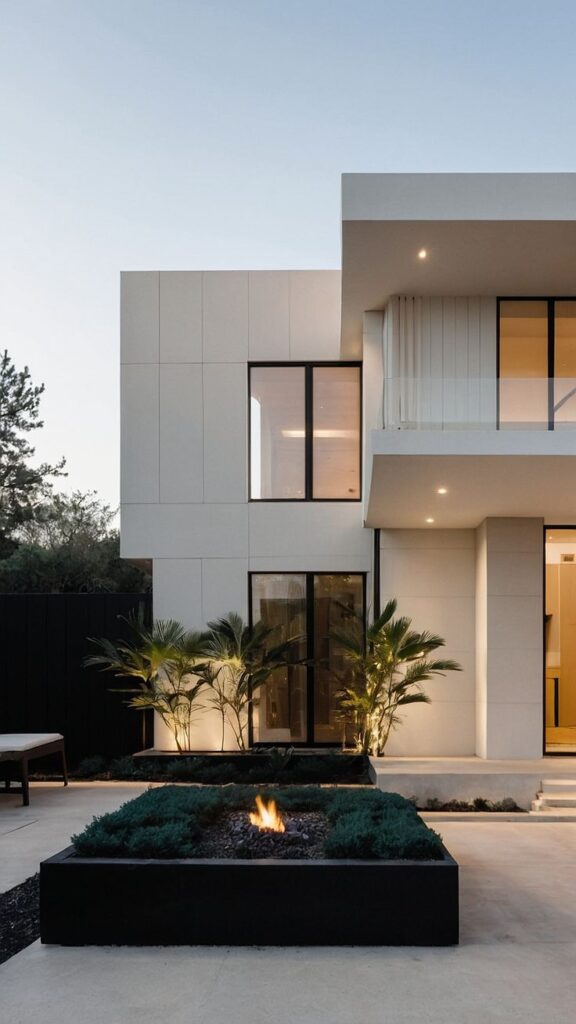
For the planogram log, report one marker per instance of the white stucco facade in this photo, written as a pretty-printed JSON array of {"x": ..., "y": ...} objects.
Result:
[{"x": 468, "y": 566}]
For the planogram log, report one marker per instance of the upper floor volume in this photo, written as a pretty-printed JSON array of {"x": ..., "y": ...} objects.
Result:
[{"x": 460, "y": 291}]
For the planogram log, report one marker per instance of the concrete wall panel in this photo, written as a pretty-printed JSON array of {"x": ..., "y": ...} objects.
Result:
[
  {"x": 429, "y": 573},
  {"x": 308, "y": 530},
  {"x": 225, "y": 316},
  {"x": 269, "y": 316},
  {"x": 181, "y": 433},
  {"x": 139, "y": 442},
  {"x": 315, "y": 299},
  {"x": 180, "y": 317},
  {"x": 225, "y": 432},
  {"x": 432, "y": 574},
  {"x": 509, "y": 638},
  {"x": 139, "y": 317},
  {"x": 185, "y": 531},
  {"x": 178, "y": 590},
  {"x": 439, "y": 729},
  {"x": 224, "y": 587}
]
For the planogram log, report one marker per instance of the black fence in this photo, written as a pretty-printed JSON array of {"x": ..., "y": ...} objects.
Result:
[{"x": 43, "y": 684}]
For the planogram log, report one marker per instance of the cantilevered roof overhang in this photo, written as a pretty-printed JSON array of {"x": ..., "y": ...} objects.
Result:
[
  {"x": 480, "y": 474},
  {"x": 484, "y": 234}
]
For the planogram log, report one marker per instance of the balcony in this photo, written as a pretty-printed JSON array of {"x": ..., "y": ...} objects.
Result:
[
  {"x": 479, "y": 403},
  {"x": 454, "y": 451}
]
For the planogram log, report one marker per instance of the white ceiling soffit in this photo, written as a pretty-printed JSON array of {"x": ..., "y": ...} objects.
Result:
[
  {"x": 404, "y": 489},
  {"x": 482, "y": 234}
]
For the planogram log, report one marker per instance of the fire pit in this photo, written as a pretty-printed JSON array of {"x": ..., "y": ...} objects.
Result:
[
  {"x": 234, "y": 866},
  {"x": 266, "y": 833}
]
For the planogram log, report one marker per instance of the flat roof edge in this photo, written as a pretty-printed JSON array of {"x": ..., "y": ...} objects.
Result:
[{"x": 503, "y": 196}]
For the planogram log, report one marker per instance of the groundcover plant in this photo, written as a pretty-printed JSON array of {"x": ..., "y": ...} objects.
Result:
[{"x": 169, "y": 822}]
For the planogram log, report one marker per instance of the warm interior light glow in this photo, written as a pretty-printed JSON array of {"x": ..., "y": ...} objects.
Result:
[
  {"x": 442, "y": 490},
  {"x": 429, "y": 520},
  {"x": 255, "y": 448},
  {"x": 422, "y": 254},
  {"x": 267, "y": 816},
  {"x": 351, "y": 434}
]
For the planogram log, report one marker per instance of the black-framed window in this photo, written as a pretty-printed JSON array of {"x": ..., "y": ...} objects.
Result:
[
  {"x": 305, "y": 431},
  {"x": 536, "y": 363},
  {"x": 299, "y": 704}
]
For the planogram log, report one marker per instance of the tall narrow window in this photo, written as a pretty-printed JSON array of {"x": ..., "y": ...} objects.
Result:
[
  {"x": 564, "y": 363},
  {"x": 523, "y": 397},
  {"x": 336, "y": 436},
  {"x": 305, "y": 432},
  {"x": 299, "y": 704},
  {"x": 279, "y": 600},
  {"x": 277, "y": 432},
  {"x": 338, "y": 608}
]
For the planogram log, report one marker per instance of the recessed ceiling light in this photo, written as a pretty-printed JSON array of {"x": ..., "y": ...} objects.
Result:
[
  {"x": 442, "y": 490},
  {"x": 422, "y": 254},
  {"x": 429, "y": 520}
]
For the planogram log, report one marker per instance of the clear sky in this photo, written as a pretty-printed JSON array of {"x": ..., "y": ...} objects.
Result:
[{"x": 181, "y": 135}]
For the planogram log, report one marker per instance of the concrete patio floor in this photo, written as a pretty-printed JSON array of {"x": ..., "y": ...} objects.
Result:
[
  {"x": 515, "y": 962},
  {"x": 30, "y": 834}
]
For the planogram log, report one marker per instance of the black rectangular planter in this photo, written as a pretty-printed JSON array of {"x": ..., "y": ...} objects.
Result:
[{"x": 104, "y": 901}]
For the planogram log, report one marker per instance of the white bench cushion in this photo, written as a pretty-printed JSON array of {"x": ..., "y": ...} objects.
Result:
[{"x": 20, "y": 741}]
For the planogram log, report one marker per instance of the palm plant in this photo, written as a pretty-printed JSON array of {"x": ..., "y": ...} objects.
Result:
[
  {"x": 386, "y": 673},
  {"x": 241, "y": 659},
  {"x": 165, "y": 661}
]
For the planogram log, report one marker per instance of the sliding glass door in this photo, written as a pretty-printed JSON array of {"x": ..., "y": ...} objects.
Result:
[{"x": 300, "y": 703}]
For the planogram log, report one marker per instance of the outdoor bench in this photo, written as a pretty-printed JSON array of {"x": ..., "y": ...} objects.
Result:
[{"x": 22, "y": 747}]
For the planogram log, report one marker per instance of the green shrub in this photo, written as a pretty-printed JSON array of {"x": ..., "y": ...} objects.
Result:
[
  {"x": 173, "y": 839},
  {"x": 395, "y": 836},
  {"x": 91, "y": 766},
  {"x": 507, "y": 804},
  {"x": 167, "y": 822},
  {"x": 345, "y": 801}
]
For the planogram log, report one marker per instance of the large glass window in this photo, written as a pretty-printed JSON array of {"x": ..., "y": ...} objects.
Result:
[
  {"x": 299, "y": 704},
  {"x": 537, "y": 363},
  {"x": 336, "y": 431},
  {"x": 277, "y": 432},
  {"x": 305, "y": 432}
]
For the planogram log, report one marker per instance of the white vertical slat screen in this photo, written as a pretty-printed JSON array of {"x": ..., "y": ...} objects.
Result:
[{"x": 440, "y": 362}]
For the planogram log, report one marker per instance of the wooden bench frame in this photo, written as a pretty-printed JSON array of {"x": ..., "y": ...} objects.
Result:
[{"x": 24, "y": 756}]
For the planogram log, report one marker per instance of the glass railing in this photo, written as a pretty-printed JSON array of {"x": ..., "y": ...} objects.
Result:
[{"x": 479, "y": 403}]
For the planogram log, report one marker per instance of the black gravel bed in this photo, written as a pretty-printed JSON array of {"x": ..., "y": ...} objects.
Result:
[
  {"x": 19, "y": 917},
  {"x": 232, "y": 835}
]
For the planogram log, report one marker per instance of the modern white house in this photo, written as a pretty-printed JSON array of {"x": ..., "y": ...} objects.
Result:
[{"x": 300, "y": 446}]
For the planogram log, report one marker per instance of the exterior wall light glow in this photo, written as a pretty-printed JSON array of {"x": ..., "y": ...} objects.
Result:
[
  {"x": 429, "y": 520},
  {"x": 422, "y": 254},
  {"x": 442, "y": 490}
]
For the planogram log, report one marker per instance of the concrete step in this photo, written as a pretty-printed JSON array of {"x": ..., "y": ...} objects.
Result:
[
  {"x": 552, "y": 813},
  {"x": 564, "y": 799},
  {"x": 565, "y": 782}
]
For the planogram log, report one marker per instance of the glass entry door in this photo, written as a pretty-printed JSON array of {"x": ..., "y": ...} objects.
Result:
[
  {"x": 560, "y": 637},
  {"x": 299, "y": 704}
]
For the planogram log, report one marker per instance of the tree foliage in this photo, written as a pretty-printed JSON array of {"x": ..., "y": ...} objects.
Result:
[
  {"x": 241, "y": 659},
  {"x": 387, "y": 671},
  {"x": 23, "y": 486},
  {"x": 70, "y": 546},
  {"x": 179, "y": 672},
  {"x": 163, "y": 662}
]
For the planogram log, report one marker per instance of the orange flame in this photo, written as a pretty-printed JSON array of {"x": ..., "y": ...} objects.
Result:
[{"x": 267, "y": 817}]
